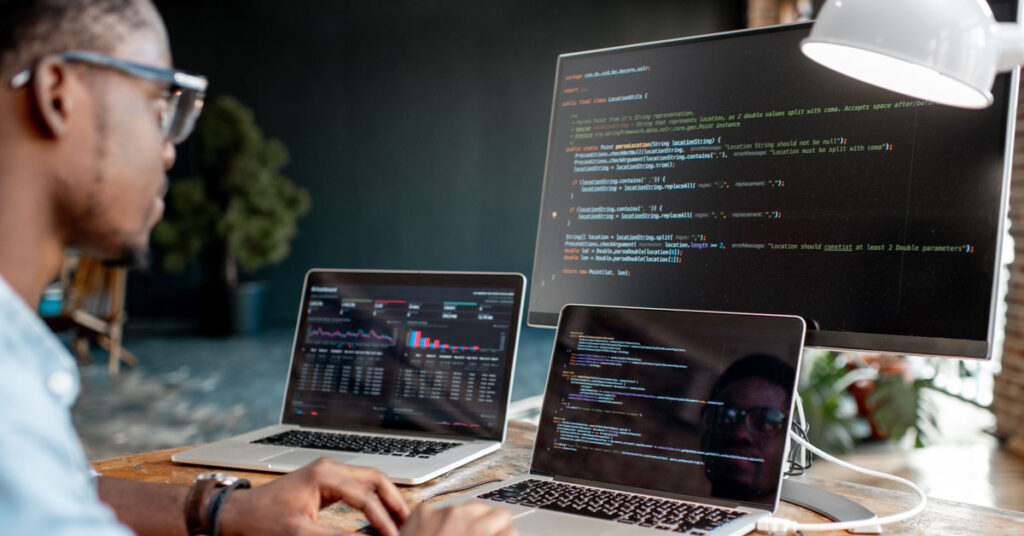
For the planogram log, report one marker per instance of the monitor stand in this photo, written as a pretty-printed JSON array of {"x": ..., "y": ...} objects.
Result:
[{"x": 828, "y": 504}]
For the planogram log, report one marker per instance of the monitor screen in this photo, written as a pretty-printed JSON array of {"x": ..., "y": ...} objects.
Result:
[
  {"x": 729, "y": 172},
  {"x": 429, "y": 352}
]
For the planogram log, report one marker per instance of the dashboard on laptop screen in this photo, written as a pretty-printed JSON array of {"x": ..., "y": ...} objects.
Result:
[{"x": 417, "y": 352}]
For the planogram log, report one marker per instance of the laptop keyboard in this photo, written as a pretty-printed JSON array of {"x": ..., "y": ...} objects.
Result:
[
  {"x": 640, "y": 510},
  {"x": 389, "y": 446}
]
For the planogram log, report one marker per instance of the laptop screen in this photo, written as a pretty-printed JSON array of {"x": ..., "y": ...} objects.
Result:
[
  {"x": 685, "y": 403},
  {"x": 405, "y": 351}
]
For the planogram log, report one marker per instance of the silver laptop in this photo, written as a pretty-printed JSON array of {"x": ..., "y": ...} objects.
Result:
[
  {"x": 408, "y": 372},
  {"x": 658, "y": 421}
]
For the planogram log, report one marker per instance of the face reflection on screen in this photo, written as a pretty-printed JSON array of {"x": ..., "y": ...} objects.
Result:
[
  {"x": 690, "y": 404},
  {"x": 744, "y": 428}
]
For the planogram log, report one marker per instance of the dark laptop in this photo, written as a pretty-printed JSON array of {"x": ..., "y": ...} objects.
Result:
[{"x": 658, "y": 421}]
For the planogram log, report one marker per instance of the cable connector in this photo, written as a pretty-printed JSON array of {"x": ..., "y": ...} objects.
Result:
[{"x": 776, "y": 525}]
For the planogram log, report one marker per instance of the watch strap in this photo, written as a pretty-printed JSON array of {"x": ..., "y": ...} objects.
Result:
[
  {"x": 197, "y": 507},
  {"x": 217, "y": 503}
]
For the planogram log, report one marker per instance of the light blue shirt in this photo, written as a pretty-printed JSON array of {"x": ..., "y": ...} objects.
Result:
[{"x": 46, "y": 485}]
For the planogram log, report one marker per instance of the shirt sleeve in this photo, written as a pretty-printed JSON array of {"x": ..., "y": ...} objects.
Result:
[{"x": 45, "y": 482}]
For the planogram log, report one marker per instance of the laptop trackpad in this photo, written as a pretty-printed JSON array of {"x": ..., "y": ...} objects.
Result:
[
  {"x": 542, "y": 522},
  {"x": 291, "y": 460}
]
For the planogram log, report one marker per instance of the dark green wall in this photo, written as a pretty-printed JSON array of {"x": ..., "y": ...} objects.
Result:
[{"x": 419, "y": 127}]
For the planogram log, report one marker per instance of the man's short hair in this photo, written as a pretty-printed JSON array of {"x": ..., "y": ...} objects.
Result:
[
  {"x": 763, "y": 366},
  {"x": 31, "y": 29}
]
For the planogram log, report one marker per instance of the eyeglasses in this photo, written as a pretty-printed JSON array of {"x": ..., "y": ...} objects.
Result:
[
  {"x": 182, "y": 100},
  {"x": 762, "y": 421}
]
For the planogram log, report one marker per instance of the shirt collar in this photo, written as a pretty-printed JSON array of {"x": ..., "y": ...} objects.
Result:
[{"x": 49, "y": 356}]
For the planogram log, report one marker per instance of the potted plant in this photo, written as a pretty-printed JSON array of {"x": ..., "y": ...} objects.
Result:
[
  {"x": 832, "y": 417},
  {"x": 238, "y": 214},
  {"x": 849, "y": 398}
]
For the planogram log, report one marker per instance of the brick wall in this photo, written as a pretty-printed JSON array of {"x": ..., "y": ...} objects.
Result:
[
  {"x": 1008, "y": 404},
  {"x": 770, "y": 12}
]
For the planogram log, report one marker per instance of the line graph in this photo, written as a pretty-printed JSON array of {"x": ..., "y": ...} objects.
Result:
[{"x": 358, "y": 335}]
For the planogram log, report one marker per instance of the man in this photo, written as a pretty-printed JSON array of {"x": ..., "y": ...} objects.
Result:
[
  {"x": 87, "y": 127},
  {"x": 748, "y": 428}
]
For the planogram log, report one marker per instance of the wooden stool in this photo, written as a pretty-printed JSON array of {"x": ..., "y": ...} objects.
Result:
[{"x": 93, "y": 306}]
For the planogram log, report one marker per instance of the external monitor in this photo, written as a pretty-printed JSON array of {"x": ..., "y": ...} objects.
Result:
[{"x": 729, "y": 172}]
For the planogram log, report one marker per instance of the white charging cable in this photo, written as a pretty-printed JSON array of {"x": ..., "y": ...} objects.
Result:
[
  {"x": 776, "y": 525},
  {"x": 805, "y": 458}
]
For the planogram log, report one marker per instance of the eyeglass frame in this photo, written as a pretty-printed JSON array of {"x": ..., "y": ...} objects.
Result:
[
  {"x": 178, "y": 82},
  {"x": 743, "y": 415}
]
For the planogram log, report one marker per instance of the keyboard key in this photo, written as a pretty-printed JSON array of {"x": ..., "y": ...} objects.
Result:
[
  {"x": 662, "y": 514},
  {"x": 391, "y": 446}
]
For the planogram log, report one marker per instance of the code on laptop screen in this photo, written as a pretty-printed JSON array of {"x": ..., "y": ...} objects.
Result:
[{"x": 684, "y": 403}]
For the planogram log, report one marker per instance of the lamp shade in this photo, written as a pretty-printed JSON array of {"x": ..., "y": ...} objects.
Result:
[{"x": 945, "y": 51}]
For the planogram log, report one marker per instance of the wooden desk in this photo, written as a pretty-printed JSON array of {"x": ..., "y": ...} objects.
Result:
[{"x": 940, "y": 518}]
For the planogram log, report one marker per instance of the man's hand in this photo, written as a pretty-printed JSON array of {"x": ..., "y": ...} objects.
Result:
[
  {"x": 290, "y": 504},
  {"x": 470, "y": 519}
]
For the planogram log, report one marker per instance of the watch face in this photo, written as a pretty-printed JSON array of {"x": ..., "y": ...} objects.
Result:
[{"x": 222, "y": 479}]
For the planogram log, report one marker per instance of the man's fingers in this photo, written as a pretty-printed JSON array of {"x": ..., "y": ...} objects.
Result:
[
  {"x": 475, "y": 508},
  {"x": 493, "y": 520},
  {"x": 470, "y": 519},
  {"x": 311, "y": 528},
  {"x": 360, "y": 488},
  {"x": 388, "y": 493},
  {"x": 510, "y": 531},
  {"x": 379, "y": 516},
  {"x": 332, "y": 472},
  {"x": 364, "y": 497}
]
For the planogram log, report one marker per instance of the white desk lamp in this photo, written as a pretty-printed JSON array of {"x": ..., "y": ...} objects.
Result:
[{"x": 945, "y": 51}]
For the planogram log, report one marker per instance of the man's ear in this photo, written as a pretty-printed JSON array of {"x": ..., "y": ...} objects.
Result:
[{"x": 52, "y": 94}]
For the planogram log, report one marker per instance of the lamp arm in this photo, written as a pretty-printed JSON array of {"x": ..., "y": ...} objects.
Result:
[{"x": 1010, "y": 37}]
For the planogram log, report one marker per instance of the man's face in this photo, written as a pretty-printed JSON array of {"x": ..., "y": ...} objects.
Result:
[
  {"x": 115, "y": 197},
  {"x": 739, "y": 476}
]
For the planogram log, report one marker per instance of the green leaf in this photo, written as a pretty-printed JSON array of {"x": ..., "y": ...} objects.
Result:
[{"x": 241, "y": 203}]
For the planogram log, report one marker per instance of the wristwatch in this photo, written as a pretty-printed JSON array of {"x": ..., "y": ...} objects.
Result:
[{"x": 205, "y": 499}]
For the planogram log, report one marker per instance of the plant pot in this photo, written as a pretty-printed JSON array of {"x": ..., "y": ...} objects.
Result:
[
  {"x": 233, "y": 310},
  {"x": 888, "y": 366}
]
